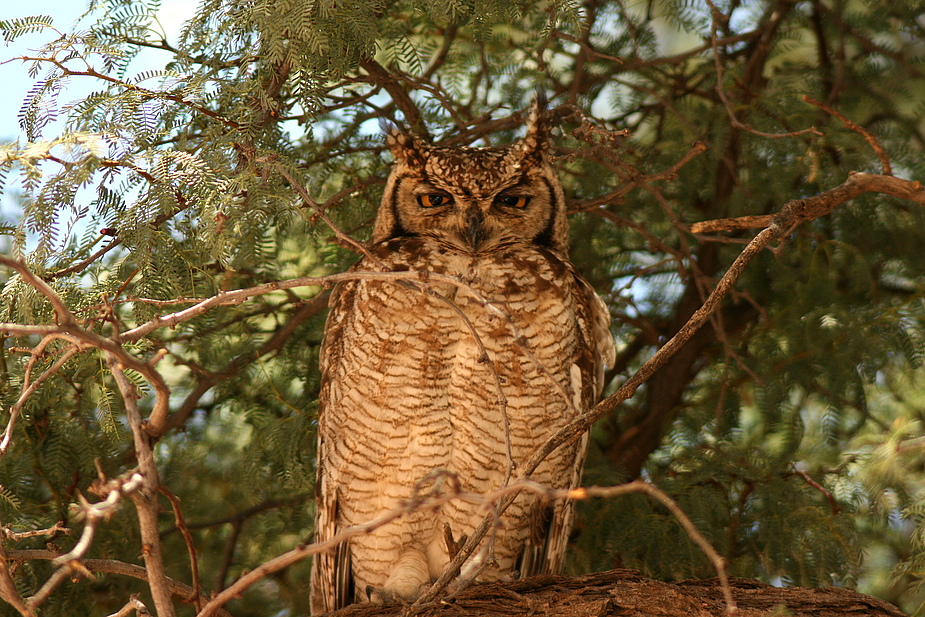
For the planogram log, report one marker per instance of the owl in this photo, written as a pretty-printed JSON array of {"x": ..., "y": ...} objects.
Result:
[{"x": 455, "y": 382}]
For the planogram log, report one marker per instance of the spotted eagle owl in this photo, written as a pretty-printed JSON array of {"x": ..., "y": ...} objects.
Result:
[{"x": 464, "y": 379}]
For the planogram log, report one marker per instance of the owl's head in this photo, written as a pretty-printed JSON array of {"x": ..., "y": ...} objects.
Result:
[{"x": 475, "y": 198}]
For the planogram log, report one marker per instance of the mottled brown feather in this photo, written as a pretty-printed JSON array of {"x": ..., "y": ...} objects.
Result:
[{"x": 406, "y": 392}]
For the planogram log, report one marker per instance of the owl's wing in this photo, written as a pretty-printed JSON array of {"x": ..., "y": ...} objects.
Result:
[
  {"x": 332, "y": 572},
  {"x": 332, "y": 575},
  {"x": 550, "y": 526},
  {"x": 551, "y": 523},
  {"x": 598, "y": 351}
]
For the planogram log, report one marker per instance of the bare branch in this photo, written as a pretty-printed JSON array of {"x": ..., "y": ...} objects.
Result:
[
  {"x": 15, "y": 536},
  {"x": 93, "y": 514},
  {"x": 109, "y": 566},
  {"x": 801, "y": 210},
  {"x": 145, "y": 500},
  {"x": 742, "y": 222},
  {"x": 134, "y": 604},
  {"x": 29, "y": 387},
  {"x": 8, "y": 590},
  {"x": 188, "y": 538},
  {"x": 885, "y": 167},
  {"x": 63, "y": 315}
]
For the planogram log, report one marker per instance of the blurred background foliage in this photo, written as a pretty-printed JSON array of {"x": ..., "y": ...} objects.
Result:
[{"x": 790, "y": 429}]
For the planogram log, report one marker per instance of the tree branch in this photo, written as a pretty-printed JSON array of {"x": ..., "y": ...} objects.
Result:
[
  {"x": 109, "y": 566},
  {"x": 146, "y": 502},
  {"x": 800, "y": 210}
]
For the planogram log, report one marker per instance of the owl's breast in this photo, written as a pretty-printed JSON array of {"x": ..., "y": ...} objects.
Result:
[{"x": 511, "y": 321}]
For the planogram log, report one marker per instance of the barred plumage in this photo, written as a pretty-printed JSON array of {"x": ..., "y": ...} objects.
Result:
[{"x": 406, "y": 390}]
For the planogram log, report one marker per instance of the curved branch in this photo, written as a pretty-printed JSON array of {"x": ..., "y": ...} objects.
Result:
[
  {"x": 30, "y": 388},
  {"x": 112, "y": 566}
]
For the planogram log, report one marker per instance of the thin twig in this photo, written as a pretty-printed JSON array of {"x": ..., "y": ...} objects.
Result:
[
  {"x": 885, "y": 167},
  {"x": 772, "y": 24},
  {"x": 621, "y": 191},
  {"x": 639, "y": 486},
  {"x": 16, "y": 536},
  {"x": 29, "y": 387},
  {"x": 833, "y": 505},
  {"x": 134, "y": 604},
  {"x": 190, "y": 547},
  {"x": 320, "y": 212},
  {"x": 93, "y": 514},
  {"x": 144, "y": 92}
]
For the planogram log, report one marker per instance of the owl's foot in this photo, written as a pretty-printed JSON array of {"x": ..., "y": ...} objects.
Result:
[
  {"x": 385, "y": 597},
  {"x": 380, "y": 596},
  {"x": 408, "y": 578}
]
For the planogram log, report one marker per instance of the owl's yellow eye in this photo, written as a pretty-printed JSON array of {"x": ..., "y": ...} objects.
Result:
[
  {"x": 513, "y": 201},
  {"x": 433, "y": 200}
]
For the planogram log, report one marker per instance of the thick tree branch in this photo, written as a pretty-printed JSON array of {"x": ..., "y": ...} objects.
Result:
[{"x": 146, "y": 501}]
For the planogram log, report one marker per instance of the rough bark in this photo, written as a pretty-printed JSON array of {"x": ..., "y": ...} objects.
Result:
[{"x": 625, "y": 593}]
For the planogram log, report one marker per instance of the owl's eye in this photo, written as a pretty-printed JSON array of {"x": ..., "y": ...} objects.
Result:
[
  {"x": 433, "y": 200},
  {"x": 513, "y": 201}
]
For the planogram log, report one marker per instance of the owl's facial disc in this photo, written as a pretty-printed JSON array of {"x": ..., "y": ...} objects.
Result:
[
  {"x": 474, "y": 199},
  {"x": 473, "y": 217}
]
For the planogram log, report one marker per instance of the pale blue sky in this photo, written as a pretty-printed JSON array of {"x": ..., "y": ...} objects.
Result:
[{"x": 14, "y": 76}]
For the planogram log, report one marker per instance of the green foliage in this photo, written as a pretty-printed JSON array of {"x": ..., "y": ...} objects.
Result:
[{"x": 789, "y": 432}]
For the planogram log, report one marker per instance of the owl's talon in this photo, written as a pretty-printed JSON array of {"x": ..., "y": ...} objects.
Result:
[
  {"x": 384, "y": 597},
  {"x": 379, "y": 596}
]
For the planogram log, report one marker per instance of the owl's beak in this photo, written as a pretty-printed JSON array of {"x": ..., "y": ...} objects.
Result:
[{"x": 475, "y": 229}]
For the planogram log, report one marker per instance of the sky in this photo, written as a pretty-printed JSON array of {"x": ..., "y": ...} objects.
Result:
[{"x": 14, "y": 74}]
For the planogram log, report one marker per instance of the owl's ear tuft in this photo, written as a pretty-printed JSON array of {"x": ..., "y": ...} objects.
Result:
[
  {"x": 404, "y": 145},
  {"x": 535, "y": 144}
]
